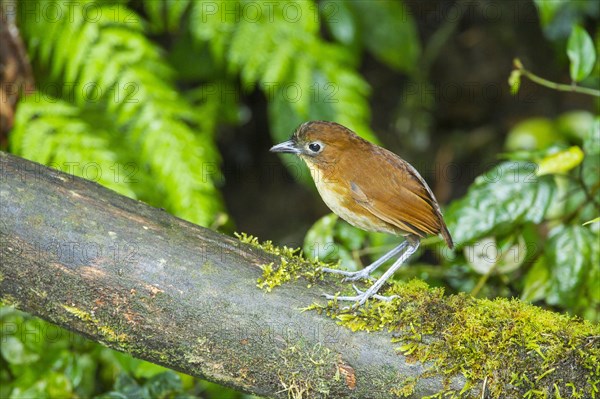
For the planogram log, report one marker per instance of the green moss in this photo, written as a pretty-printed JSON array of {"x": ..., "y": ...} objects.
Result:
[
  {"x": 292, "y": 264},
  {"x": 307, "y": 372},
  {"x": 106, "y": 331},
  {"x": 512, "y": 348},
  {"x": 516, "y": 348},
  {"x": 406, "y": 388},
  {"x": 80, "y": 314},
  {"x": 9, "y": 300},
  {"x": 197, "y": 354},
  {"x": 208, "y": 268}
]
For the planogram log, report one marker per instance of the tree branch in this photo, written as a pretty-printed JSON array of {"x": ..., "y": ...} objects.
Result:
[
  {"x": 573, "y": 88},
  {"x": 149, "y": 284},
  {"x": 144, "y": 282}
]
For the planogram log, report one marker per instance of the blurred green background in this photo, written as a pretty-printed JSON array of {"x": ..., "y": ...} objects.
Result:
[{"x": 176, "y": 103}]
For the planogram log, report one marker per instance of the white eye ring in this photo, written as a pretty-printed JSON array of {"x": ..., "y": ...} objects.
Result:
[{"x": 315, "y": 147}]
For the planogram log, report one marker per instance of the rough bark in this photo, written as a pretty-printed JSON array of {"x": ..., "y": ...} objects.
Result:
[{"x": 144, "y": 282}]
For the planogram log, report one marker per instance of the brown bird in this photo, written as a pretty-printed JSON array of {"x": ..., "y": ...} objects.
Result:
[{"x": 372, "y": 189}]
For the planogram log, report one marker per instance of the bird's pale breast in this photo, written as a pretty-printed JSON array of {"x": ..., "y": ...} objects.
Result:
[{"x": 337, "y": 196}]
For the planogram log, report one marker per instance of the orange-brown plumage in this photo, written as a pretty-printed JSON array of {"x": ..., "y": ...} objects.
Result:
[
  {"x": 369, "y": 187},
  {"x": 377, "y": 190}
]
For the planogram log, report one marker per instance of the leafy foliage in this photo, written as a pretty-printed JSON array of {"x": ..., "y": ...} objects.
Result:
[
  {"x": 55, "y": 133},
  {"x": 582, "y": 55},
  {"x": 532, "y": 220},
  {"x": 41, "y": 360},
  {"x": 388, "y": 31},
  {"x": 572, "y": 254},
  {"x": 508, "y": 196},
  {"x": 329, "y": 240},
  {"x": 120, "y": 82},
  {"x": 121, "y": 99},
  {"x": 277, "y": 47},
  {"x": 522, "y": 221},
  {"x": 166, "y": 15},
  {"x": 558, "y": 17},
  {"x": 118, "y": 101},
  {"x": 561, "y": 162},
  {"x": 581, "y": 52},
  {"x": 264, "y": 47}
]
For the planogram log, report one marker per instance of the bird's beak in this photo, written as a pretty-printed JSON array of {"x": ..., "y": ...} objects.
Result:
[{"x": 287, "y": 147}]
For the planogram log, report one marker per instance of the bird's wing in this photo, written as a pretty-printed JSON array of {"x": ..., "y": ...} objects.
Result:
[{"x": 403, "y": 200}]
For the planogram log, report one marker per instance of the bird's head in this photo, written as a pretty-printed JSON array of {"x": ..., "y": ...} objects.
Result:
[{"x": 319, "y": 142}]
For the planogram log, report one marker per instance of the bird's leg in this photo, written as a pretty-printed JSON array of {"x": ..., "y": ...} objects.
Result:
[
  {"x": 361, "y": 298},
  {"x": 366, "y": 272}
]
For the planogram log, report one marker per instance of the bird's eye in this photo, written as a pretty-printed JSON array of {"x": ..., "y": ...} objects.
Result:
[{"x": 315, "y": 147}]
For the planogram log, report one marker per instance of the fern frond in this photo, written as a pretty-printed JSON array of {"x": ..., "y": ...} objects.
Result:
[
  {"x": 280, "y": 56},
  {"x": 388, "y": 31},
  {"x": 52, "y": 132},
  {"x": 119, "y": 72},
  {"x": 165, "y": 15},
  {"x": 210, "y": 25}
]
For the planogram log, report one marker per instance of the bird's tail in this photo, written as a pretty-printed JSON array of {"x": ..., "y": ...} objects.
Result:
[{"x": 446, "y": 235}]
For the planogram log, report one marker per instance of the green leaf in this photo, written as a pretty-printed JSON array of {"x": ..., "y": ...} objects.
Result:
[
  {"x": 593, "y": 278},
  {"x": 58, "y": 385},
  {"x": 547, "y": 10},
  {"x": 164, "y": 384},
  {"x": 82, "y": 372},
  {"x": 569, "y": 252},
  {"x": 331, "y": 239},
  {"x": 319, "y": 242},
  {"x": 560, "y": 162},
  {"x": 144, "y": 369},
  {"x": 537, "y": 281},
  {"x": 341, "y": 22},
  {"x": 388, "y": 31},
  {"x": 129, "y": 387},
  {"x": 38, "y": 390},
  {"x": 176, "y": 9},
  {"x": 351, "y": 237},
  {"x": 514, "y": 81},
  {"x": 575, "y": 125},
  {"x": 532, "y": 134},
  {"x": 54, "y": 132},
  {"x": 489, "y": 255},
  {"x": 591, "y": 165},
  {"x": 592, "y": 221},
  {"x": 15, "y": 352},
  {"x": 591, "y": 143},
  {"x": 113, "y": 395},
  {"x": 165, "y": 14},
  {"x": 507, "y": 196},
  {"x": 581, "y": 53}
]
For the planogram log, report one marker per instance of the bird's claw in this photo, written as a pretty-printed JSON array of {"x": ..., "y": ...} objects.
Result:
[
  {"x": 350, "y": 276},
  {"x": 358, "y": 276},
  {"x": 358, "y": 299},
  {"x": 361, "y": 298},
  {"x": 376, "y": 296}
]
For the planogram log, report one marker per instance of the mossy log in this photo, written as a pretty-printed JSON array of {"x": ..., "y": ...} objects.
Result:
[{"x": 144, "y": 282}]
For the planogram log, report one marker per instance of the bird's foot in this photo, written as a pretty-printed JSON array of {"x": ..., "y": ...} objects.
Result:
[
  {"x": 350, "y": 276},
  {"x": 364, "y": 273},
  {"x": 361, "y": 297}
]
